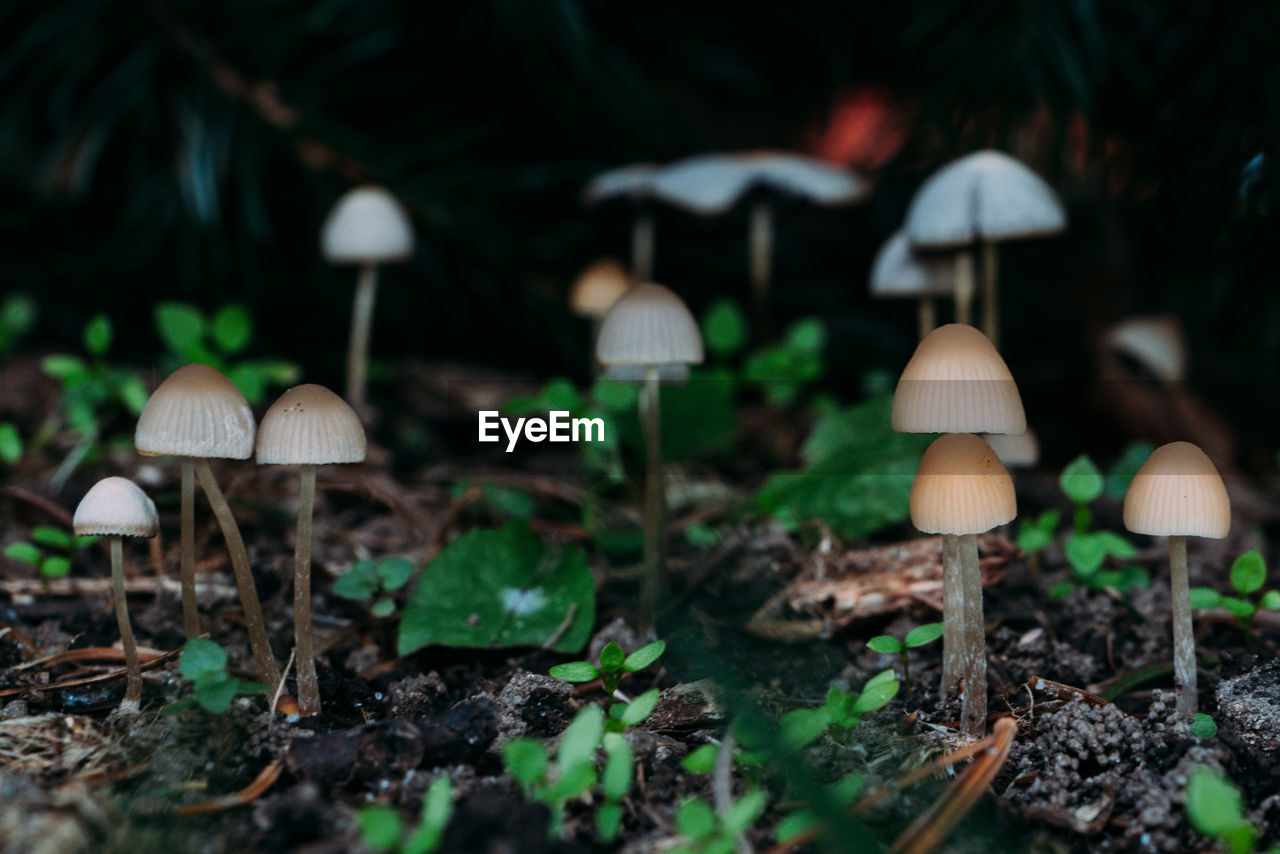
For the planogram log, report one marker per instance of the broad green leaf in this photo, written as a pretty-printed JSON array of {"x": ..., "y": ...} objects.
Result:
[
  {"x": 580, "y": 739},
  {"x": 98, "y": 335},
  {"x": 885, "y": 644},
  {"x": 10, "y": 443},
  {"x": 619, "y": 766},
  {"x": 23, "y": 553},
  {"x": 201, "y": 658},
  {"x": 695, "y": 819},
  {"x": 232, "y": 329},
  {"x": 724, "y": 328},
  {"x": 1203, "y": 598},
  {"x": 922, "y": 635},
  {"x": 55, "y": 566},
  {"x": 575, "y": 671},
  {"x": 1081, "y": 480},
  {"x": 644, "y": 656},
  {"x": 701, "y": 760},
  {"x": 525, "y": 760},
  {"x": 380, "y": 828},
  {"x": 1248, "y": 573},
  {"x": 641, "y": 707},
  {"x": 181, "y": 328},
  {"x": 611, "y": 657},
  {"x": 47, "y": 535},
  {"x": 216, "y": 692}
]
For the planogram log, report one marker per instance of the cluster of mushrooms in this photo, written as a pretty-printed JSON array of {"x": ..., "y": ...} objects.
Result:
[{"x": 196, "y": 415}]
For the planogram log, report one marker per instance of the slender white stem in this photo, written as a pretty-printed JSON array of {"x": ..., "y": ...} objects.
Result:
[
  {"x": 308, "y": 687},
  {"x": 133, "y": 669},
  {"x": 1184, "y": 644},
  {"x": 187, "y": 565},
  {"x": 760, "y": 257},
  {"x": 926, "y": 316},
  {"x": 642, "y": 246},
  {"x": 952, "y": 613},
  {"x": 973, "y": 714},
  {"x": 990, "y": 295},
  {"x": 654, "y": 498},
  {"x": 361, "y": 324}
]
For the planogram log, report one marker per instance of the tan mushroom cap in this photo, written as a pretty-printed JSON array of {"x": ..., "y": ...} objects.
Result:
[
  {"x": 598, "y": 287},
  {"x": 1178, "y": 492},
  {"x": 961, "y": 488},
  {"x": 310, "y": 425},
  {"x": 366, "y": 226},
  {"x": 196, "y": 412},
  {"x": 649, "y": 325},
  {"x": 116, "y": 507},
  {"x": 956, "y": 382}
]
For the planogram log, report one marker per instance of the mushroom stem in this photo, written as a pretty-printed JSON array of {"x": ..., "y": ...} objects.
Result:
[
  {"x": 953, "y": 612},
  {"x": 361, "y": 323},
  {"x": 973, "y": 713},
  {"x": 642, "y": 242},
  {"x": 264, "y": 662},
  {"x": 654, "y": 497},
  {"x": 760, "y": 256},
  {"x": 990, "y": 297},
  {"x": 187, "y": 564},
  {"x": 926, "y": 316},
  {"x": 308, "y": 688},
  {"x": 133, "y": 681},
  {"x": 964, "y": 287},
  {"x": 1184, "y": 645}
]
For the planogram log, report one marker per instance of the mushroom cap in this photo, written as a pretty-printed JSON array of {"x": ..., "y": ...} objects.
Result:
[
  {"x": 986, "y": 195},
  {"x": 116, "y": 507},
  {"x": 366, "y": 226},
  {"x": 956, "y": 382},
  {"x": 961, "y": 488},
  {"x": 598, "y": 287},
  {"x": 710, "y": 184},
  {"x": 635, "y": 180},
  {"x": 310, "y": 425},
  {"x": 1015, "y": 450},
  {"x": 649, "y": 325},
  {"x": 1157, "y": 343},
  {"x": 196, "y": 412},
  {"x": 899, "y": 272},
  {"x": 1178, "y": 492}
]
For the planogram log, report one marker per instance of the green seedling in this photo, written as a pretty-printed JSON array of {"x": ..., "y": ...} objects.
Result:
[
  {"x": 839, "y": 795},
  {"x": 383, "y": 831},
  {"x": 370, "y": 581},
  {"x": 914, "y": 639},
  {"x": 204, "y": 664},
  {"x": 1248, "y": 575},
  {"x": 11, "y": 447},
  {"x": 51, "y": 550},
  {"x": 18, "y": 314},
  {"x": 1034, "y": 536},
  {"x": 189, "y": 335},
  {"x": 784, "y": 371},
  {"x": 840, "y": 713},
  {"x": 1203, "y": 726},
  {"x": 615, "y": 664},
  {"x": 705, "y": 832},
  {"x": 1216, "y": 810}
]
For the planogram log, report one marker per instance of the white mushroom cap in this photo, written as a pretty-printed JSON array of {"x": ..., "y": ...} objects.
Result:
[
  {"x": 711, "y": 184},
  {"x": 987, "y": 195},
  {"x": 116, "y": 507},
  {"x": 649, "y": 325},
  {"x": 961, "y": 488},
  {"x": 634, "y": 181},
  {"x": 1015, "y": 450},
  {"x": 1157, "y": 343},
  {"x": 899, "y": 272},
  {"x": 310, "y": 425},
  {"x": 196, "y": 412},
  {"x": 1178, "y": 492},
  {"x": 598, "y": 287},
  {"x": 366, "y": 226},
  {"x": 956, "y": 382}
]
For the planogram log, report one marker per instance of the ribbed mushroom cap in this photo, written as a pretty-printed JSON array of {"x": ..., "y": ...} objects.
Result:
[
  {"x": 899, "y": 272},
  {"x": 1015, "y": 450},
  {"x": 649, "y": 325},
  {"x": 1178, "y": 492},
  {"x": 956, "y": 382},
  {"x": 598, "y": 287},
  {"x": 366, "y": 226},
  {"x": 961, "y": 488},
  {"x": 116, "y": 507},
  {"x": 1157, "y": 343},
  {"x": 310, "y": 425},
  {"x": 196, "y": 412},
  {"x": 710, "y": 184},
  {"x": 987, "y": 195},
  {"x": 634, "y": 180}
]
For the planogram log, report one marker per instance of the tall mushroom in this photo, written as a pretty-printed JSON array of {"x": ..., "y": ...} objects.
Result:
[
  {"x": 961, "y": 490},
  {"x": 633, "y": 182},
  {"x": 306, "y": 427},
  {"x": 1178, "y": 494},
  {"x": 897, "y": 271},
  {"x": 115, "y": 507},
  {"x": 367, "y": 227},
  {"x": 956, "y": 382},
  {"x": 986, "y": 197},
  {"x": 650, "y": 336}
]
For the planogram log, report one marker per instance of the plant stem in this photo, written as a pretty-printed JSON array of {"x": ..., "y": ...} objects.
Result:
[
  {"x": 973, "y": 715},
  {"x": 990, "y": 296},
  {"x": 361, "y": 323},
  {"x": 642, "y": 244},
  {"x": 926, "y": 316},
  {"x": 187, "y": 572},
  {"x": 264, "y": 662},
  {"x": 760, "y": 257},
  {"x": 308, "y": 688},
  {"x": 964, "y": 286},
  {"x": 1184, "y": 645},
  {"x": 133, "y": 681},
  {"x": 906, "y": 668},
  {"x": 952, "y": 613},
  {"x": 654, "y": 498}
]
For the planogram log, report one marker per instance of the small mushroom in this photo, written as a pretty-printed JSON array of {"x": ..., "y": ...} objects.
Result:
[
  {"x": 899, "y": 272},
  {"x": 986, "y": 197},
  {"x": 1178, "y": 494},
  {"x": 596, "y": 289},
  {"x": 306, "y": 427},
  {"x": 650, "y": 336},
  {"x": 116, "y": 507},
  {"x": 367, "y": 227},
  {"x": 961, "y": 490},
  {"x": 634, "y": 182},
  {"x": 197, "y": 414}
]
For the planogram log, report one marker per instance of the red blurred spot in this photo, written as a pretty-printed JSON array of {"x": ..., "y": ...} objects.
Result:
[{"x": 864, "y": 130}]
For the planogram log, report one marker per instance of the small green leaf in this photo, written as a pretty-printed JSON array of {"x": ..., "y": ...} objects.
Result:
[
  {"x": 801, "y": 727},
  {"x": 55, "y": 566},
  {"x": 23, "y": 553},
  {"x": 1203, "y": 598},
  {"x": 10, "y": 443},
  {"x": 641, "y": 707},
  {"x": 575, "y": 671},
  {"x": 1035, "y": 536},
  {"x": 644, "y": 656},
  {"x": 1081, "y": 480},
  {"x": 1060, "y": 590},
  {"x": 1238, "y": 608},
  {"x": 63, "y": 368},
  {"x": 619, "y": 766},
  {"x": 724, "y": 328},
  {"x": 1271, "y": 600},
  {"x": 394, "y": 572},
  {"x": 215, "y": 692},
  {"x": 701, "y": 760},
  {"x": 181, "y": 328},
  {"x": 380, "y": 828},
  {"x": 885, "y": 644},
  {"x": 611, "y": 657},
  {"x": 581, "y": 738},
  {"x": 1202, "y": 726},
  {"x": 232, "y": 329},
  {"x": 806, "y": 336},
  {"x": 47, "y": 535},
  {"x": 132, "y": 393},
  {"x": 608, "y": 822},
  {"x": 201, "y": 658},
  {"x": 575, "y": 779},
  {"x": 745, "y": 811},
  {"x": 702, "y": 536},
  {"x": 525, "y": 759},
  {"x": 794, "y": 824},
  {"x": 1215, "y": 809},
  {"x": 923, "y": 635},
  {"x": 877, "y": 693},
  {"x": 358, "y": 583},
  {"x": 97, "y": 335},
  {"x": 383, "y": 608},
  {"x": 437, "y": 803},
  {"x": 1085, "y": 553},
  {"x": 1248, "y": 573},
  {"x": 695, "y": 819}
]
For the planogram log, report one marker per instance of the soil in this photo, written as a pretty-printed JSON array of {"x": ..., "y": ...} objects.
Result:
[{"x": 1084, "y": 774}]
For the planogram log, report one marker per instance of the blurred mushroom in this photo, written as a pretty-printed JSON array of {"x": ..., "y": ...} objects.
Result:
[
  {"x": 115, "y": 507},
  {"x": 1015, "y": 450},
  {"x": 596, "y": 289},
  {"x": 899, "y": 272},
  {"x": 634, "y": 182},
  {"x": 367, "y": 227},
  {"x": 986, "y": 197}
]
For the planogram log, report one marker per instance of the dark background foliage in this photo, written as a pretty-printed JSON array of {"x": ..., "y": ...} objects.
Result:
[{"x": 190, "y": 150}]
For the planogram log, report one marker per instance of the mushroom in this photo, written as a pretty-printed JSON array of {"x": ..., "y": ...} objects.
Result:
[
  {"x": 985, "y": 197},
  {"x": 368, "y": 227},
  {"x": 198, "y": 414},
  {"x": 596, "y": 289},
  {"x": 115, "y": 507},
  {"x": 961, "y": 490},
  {"x": 899, "y": 272},
  {"x": 635, "y": 182},
  {"x": 711, "y": 184},
  {"x": 1016, "y": 450},
  {"x": 650, "y": 336},
  {"x": 956, "y": 382},
  {"x": 306, "y": 427},
  {"x": 1178, "y": 494}
]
